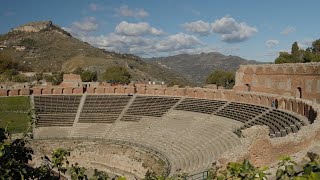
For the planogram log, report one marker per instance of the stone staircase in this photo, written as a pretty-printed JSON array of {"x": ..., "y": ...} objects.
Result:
[{"x": 90, "y": 130}]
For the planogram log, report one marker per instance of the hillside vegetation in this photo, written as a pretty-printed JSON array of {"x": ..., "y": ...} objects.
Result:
[
  {"x": 197, "y": 67},
  {"x": 48, "y": 48}
]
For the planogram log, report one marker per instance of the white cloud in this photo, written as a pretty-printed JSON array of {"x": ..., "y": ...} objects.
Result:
[
  {"x": 88, "y": 24},
  {"x": 288, "y": 30},
  {"x": 199, "y": 27},
  {"x": 177, "y": 42},
  {"x": 126, "y": 11},
  {"x": 271, "y": 43},
  {"x": 136, "y": 29},
  {"x": 147, "y": 46},
  {"x": 232, "y": 31}
]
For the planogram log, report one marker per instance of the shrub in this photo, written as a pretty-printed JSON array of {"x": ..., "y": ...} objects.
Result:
[
  {"x": 117, "y": 75},
  {"x": 221, "y": 78},
  {"x": 56, "y": 78},
  {"x": 86, "y": 76}
]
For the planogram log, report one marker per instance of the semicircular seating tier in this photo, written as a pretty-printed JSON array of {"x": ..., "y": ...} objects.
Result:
[{"x": 190, "y": 132}]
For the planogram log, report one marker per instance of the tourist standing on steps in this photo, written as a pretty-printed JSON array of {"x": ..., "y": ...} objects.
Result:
[{"x": 273, "y": 105}]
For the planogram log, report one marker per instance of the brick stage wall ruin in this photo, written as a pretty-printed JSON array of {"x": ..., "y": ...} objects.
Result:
[
  {"x": 300, "y": 80},
  {"x": 300, "y": 106}
]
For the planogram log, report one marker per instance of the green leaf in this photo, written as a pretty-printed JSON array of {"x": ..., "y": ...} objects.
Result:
[
  {"x": 279, "y": 173},
  {"x": 290, "y": 170}
]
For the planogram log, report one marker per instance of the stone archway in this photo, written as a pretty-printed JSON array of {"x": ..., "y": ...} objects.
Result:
[{"x": 299, "y": 92}]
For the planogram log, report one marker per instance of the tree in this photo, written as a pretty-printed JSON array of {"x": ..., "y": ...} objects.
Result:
[
  {"x": 60, "y": 159},
  {"x": 316, "y": 47},
  {"x": 56, "y": 78},
  {"x": 295, "y": 52},
  {"x": 311, "y": 54},
  {"x": 86, "y": 76},
  {"x": 14, "y": 157},
  {"x": 221, "y": 78},
  {"x": 117, "y": 75}
]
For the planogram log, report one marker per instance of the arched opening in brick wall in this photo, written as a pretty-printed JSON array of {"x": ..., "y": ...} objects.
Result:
[
  {"x": 62, "y": 91},
  {"x": 41, "y": 91},
  {"x": 306, "y": 110},
  {"x": 8, "y": 93},
  {"x": 94, "y": 90},
  {"x": 284, "y": 104},
  {"x": 84, "y": 87},
  {"x": 115, "y": 90},
  {"x": 276, "y": 103},
  {"x": 72, "y": 90},
  {"x": 299, "y": 92},
  {"x": 52, "y": 91},
  {"x": 19, "y": 92},
  {"x": 291, "y": 106}
]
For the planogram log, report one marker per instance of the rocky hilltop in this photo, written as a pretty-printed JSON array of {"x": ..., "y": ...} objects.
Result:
[
  {"x": 34, "y": 27},
  {"x": 45, "y": 47}
]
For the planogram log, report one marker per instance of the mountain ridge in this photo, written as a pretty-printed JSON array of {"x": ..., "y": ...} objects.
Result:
[{"x": 197, "y": 67}]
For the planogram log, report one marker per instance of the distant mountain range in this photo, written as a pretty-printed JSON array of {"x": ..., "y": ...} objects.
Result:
[{"x": 197, "y": 67}]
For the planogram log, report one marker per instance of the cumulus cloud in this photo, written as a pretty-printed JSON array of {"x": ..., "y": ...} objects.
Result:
[
  {"x": 288, "y": 30},
  {"x": 231, "y": 31},
  {"x": 88, "y": 24},
  {"x": 136, "y": 29},
  {"x": 126, "y": 11},
  {"x": 177, "y": 42},
  {"x": 271, "y": 43},
  {"x": 146, "y": 46},
  {"x": 198, "y": 27}
]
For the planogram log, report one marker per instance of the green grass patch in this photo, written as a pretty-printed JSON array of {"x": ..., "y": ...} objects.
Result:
[
  {"x": 17, "y": 122},
  {"x": 18, "y": 103}
]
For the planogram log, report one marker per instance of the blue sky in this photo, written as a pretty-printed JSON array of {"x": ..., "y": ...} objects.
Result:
[{"x": 250, "y": 29}]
